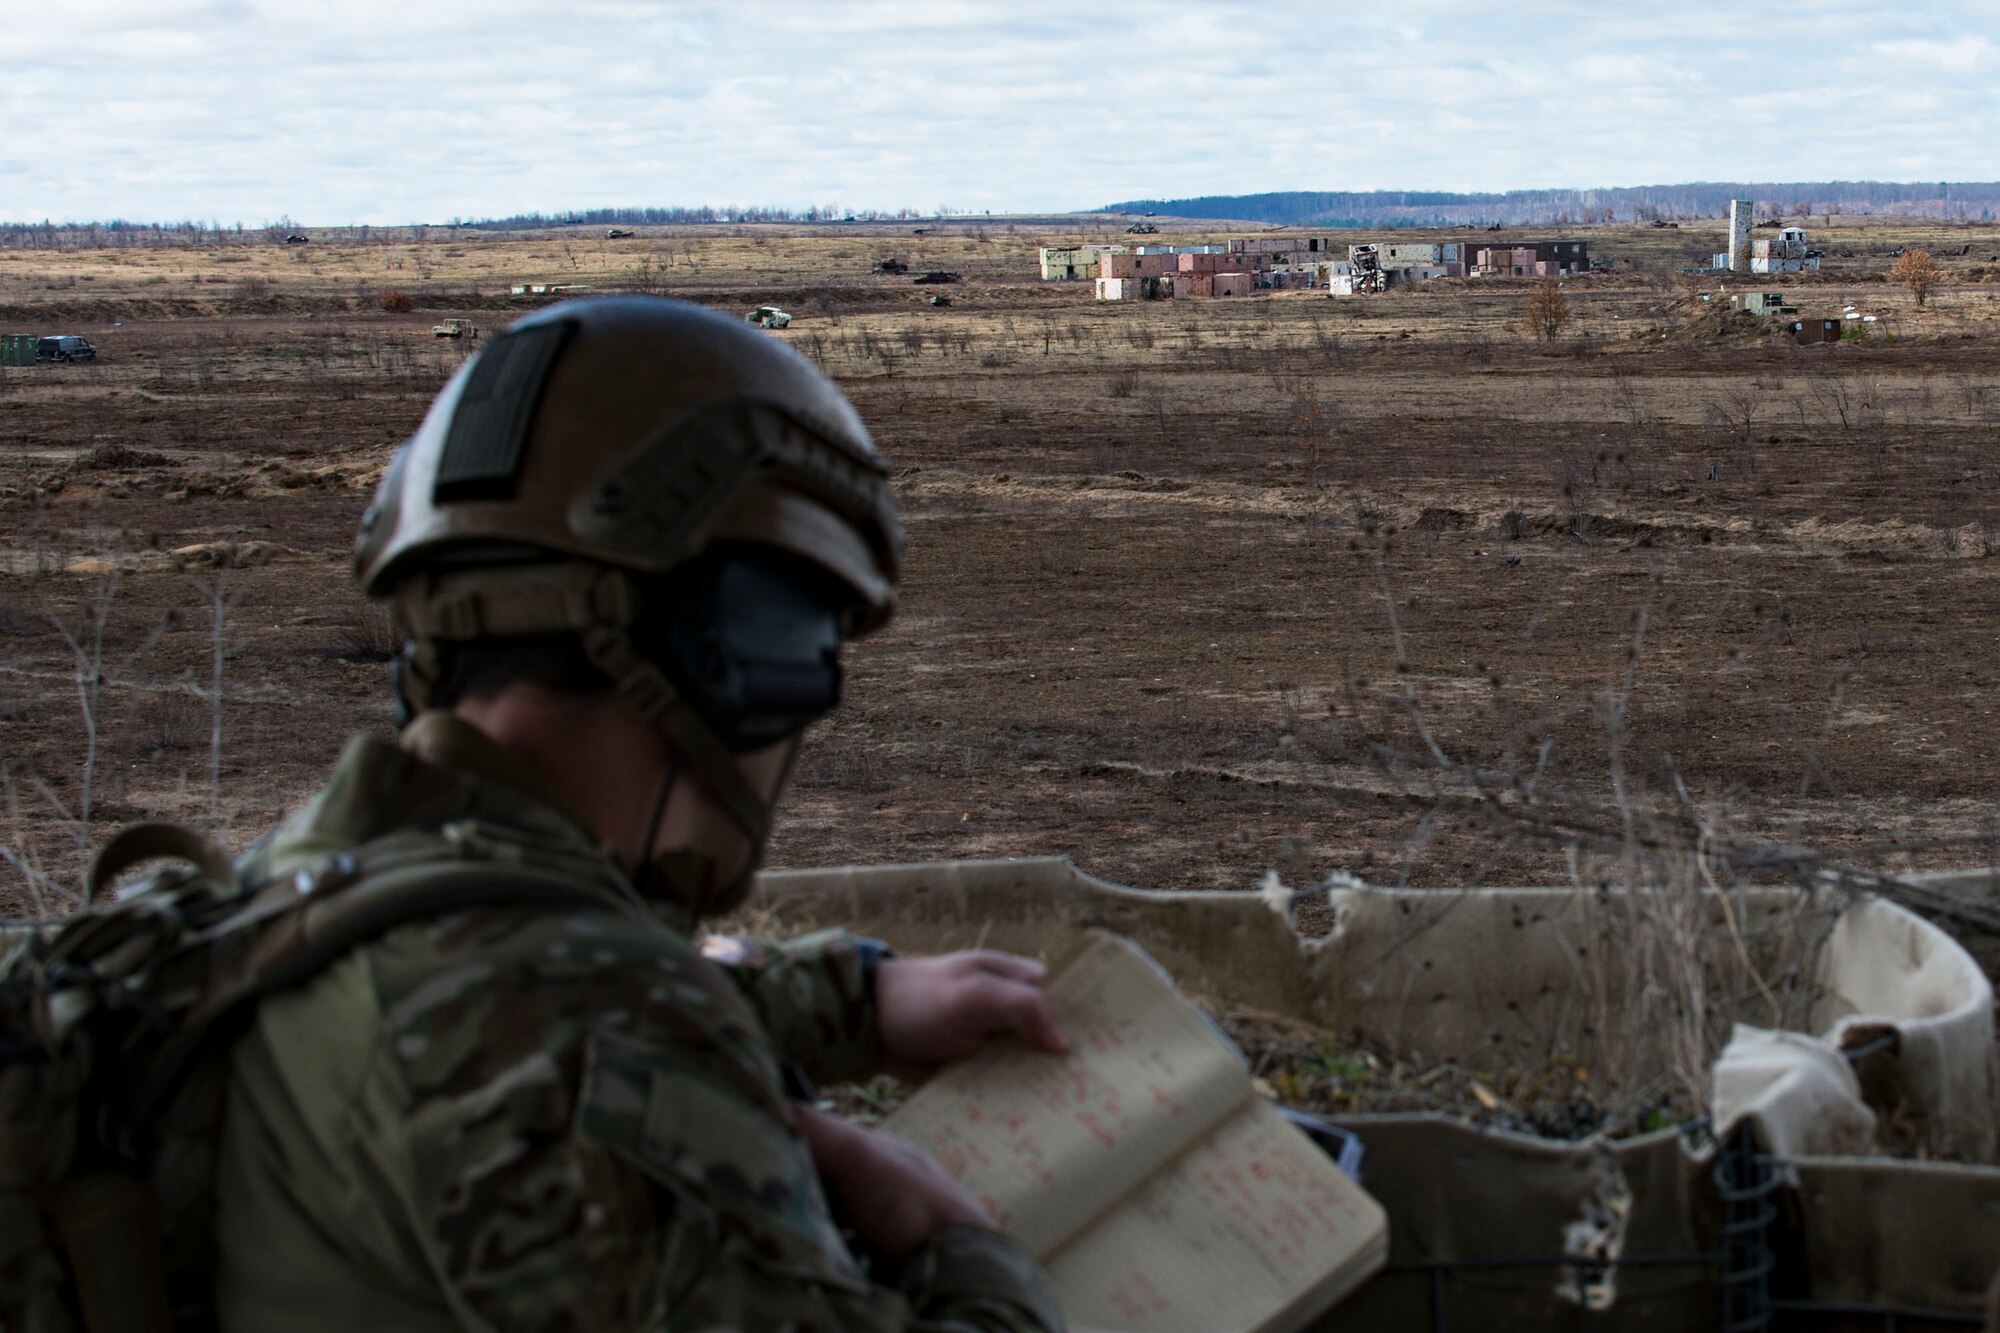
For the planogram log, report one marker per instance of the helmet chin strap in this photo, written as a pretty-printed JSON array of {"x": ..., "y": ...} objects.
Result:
[
  {"x": 644, "y": 873},
  {"x": 693, "y": 879}
]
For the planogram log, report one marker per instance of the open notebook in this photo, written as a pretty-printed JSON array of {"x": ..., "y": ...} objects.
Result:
[{"x": 1142, "y": 1169}]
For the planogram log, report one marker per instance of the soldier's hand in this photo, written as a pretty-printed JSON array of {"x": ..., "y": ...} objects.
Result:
[
  {"x": 894, "y": 1195},
  {"x": 931, "y": 1011}
]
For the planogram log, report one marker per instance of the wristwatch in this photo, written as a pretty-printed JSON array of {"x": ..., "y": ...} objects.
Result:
[{"x": 870, "y": 952}]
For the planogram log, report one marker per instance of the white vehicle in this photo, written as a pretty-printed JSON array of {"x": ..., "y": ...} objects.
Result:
[{"x": 768, "y": 317}]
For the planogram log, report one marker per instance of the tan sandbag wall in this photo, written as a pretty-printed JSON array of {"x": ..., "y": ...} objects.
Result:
[
  {"x": 1490, "y": 977},
  {"x": 1486, "y": 977}
]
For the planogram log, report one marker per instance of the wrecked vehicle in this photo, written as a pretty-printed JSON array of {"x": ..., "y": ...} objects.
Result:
[{"x": 64, "y": 348}]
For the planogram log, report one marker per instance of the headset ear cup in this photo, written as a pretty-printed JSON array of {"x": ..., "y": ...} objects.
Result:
[{"x": 750, "y": 639}]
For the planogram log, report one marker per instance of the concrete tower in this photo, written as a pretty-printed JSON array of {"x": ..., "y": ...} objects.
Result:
[{"x": 1740, "y": 211}]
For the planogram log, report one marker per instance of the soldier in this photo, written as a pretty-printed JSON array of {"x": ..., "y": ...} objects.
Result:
[{"x": 624, "y": 547}]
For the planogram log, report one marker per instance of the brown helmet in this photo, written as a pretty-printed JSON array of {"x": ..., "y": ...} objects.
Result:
[
  {"x": 592, "y": 450},
  {"x": 631, "y": 431}
]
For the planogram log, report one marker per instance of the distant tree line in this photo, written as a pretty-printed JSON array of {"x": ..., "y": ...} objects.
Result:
[
  {"x": 1639, "y": 203},
  {"x": 669, "y": 217},
  {"x": 119, "y": 233},
  {"x": 123, "y": 234}
]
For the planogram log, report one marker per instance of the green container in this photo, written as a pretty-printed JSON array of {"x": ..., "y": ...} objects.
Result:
[{"x": 18, "y": 349}]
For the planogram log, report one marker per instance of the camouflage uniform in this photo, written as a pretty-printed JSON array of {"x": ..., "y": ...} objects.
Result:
[{"x": 518, "y": 1118}]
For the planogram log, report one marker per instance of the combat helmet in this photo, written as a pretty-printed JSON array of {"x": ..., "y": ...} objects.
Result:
[{"x": 580, "y": 475}]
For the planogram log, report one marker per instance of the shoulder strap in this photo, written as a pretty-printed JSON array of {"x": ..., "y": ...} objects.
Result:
[
  {"x": 305, "y": 936},
  {"x": 137, "y": 843}
]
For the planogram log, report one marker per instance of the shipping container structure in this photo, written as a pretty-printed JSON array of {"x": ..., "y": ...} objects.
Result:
[
  {"x": 1235, "y": 284},
  {"x": 1567, "y": 256},
  {"x": 1531, "y": 259},
  {"x": 1363, "y": 274},
  {"x": 1503, "y": 261},
  {"x": 17, "y": 349},
  {"x": 1066, "y": 263},
  {"x": 1209, "y": 263},
  {"x": 1373, "y": 267},
  {"x": 1277, "y": 245},
  {"x": 1816, "y": 330},
  {"x": 1152, "y": 288},
  {"x": 1403, "y": 254},
  {"x": 1154, "y": 265},
  {"x": 1787, "y": 252},
  {"x": 1763, "y": 303},
  {"x": 1189, "y": 285}
]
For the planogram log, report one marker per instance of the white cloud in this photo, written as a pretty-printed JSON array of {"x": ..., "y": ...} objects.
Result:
[{"x": 1957, "y": 55}]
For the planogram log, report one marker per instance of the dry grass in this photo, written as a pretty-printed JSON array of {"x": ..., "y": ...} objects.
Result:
[{"x": 1143, "y": 550}]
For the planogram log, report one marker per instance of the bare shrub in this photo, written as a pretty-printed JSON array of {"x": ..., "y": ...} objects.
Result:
[
  {"x": 173, "y": 721},
  {"x": 647, "y": 277},
  {"x": 1546, "y": 314},
  {"x": 1916, "y": 270},
  {"x": 366, "y": 633},
  {"x": 396, "y": 301}
]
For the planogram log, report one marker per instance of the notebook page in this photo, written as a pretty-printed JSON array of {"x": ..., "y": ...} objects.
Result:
[
  {"x": 1253, "y": 1228},
  {"x": 1045, "y": 1141}
]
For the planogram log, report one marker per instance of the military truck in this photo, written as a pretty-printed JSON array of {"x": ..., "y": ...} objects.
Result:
[
  {"x": 768, "y": 317},
  {"x": 454, "y": 328}
]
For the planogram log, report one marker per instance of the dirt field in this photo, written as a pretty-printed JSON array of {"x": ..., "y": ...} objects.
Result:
[{"x": 1171, "y": 565}]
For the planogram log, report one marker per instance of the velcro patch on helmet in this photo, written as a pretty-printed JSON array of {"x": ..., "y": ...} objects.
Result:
[{"x": 489, "y": 424}]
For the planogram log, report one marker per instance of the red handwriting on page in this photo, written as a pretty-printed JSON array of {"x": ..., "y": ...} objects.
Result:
[
  {"x": 1144, "y": 1077},
  {"x": 1241, "y": 1225}
]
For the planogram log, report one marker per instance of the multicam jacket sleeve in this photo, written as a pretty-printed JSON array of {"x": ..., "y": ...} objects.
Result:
[
  {"x": 595, "y": 1136},
  {"x": 812, "y": 995}
]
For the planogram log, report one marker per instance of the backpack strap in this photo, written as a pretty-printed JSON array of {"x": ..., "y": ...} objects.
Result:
[
  {"x": 306, "y": 927},
  {"x": 138, "y": 843}
]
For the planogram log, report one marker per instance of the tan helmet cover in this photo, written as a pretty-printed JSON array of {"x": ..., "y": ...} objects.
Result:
[{"x": 631, "y": 432}]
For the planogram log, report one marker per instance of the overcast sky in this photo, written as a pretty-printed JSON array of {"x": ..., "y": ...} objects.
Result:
[{"x": 386, "y": 111}]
